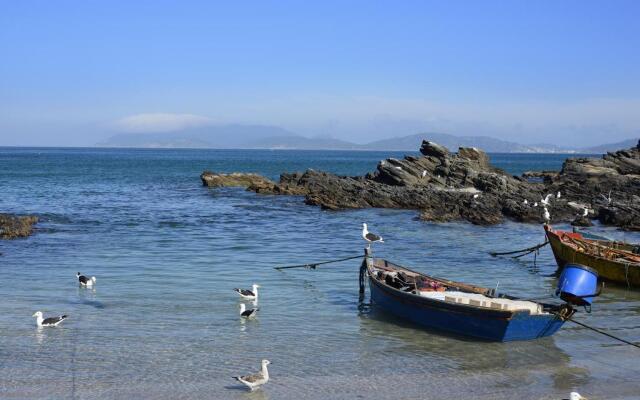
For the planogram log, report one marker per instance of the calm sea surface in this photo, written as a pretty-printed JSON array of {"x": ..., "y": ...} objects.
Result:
[{"x": 162, "y": 322}]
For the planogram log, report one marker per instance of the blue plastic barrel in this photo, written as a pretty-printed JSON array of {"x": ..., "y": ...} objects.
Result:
[{"x": 576, "y": 281}]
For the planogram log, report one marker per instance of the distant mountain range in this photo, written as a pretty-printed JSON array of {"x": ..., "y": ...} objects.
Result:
[{"x": 271, "y": 137}]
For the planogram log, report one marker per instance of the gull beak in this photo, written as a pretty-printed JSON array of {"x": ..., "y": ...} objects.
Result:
[{"x": 34, "y": 314}]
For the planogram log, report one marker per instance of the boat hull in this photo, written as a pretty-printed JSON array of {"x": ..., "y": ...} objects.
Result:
[
  {"x": 490, "y": 325},
  {"x": 608, "y": 270}
]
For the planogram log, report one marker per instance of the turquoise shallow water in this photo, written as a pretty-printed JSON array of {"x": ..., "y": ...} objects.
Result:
[{"x": 162, "y": 321}]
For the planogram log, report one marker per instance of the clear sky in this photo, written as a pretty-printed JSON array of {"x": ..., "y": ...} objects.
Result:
[{"x": 73, "y": 73}]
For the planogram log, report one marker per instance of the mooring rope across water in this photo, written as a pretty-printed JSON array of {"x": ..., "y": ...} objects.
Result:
[
  {"x": 526, "y": 251},
  {"x": 314, "y": 265},
  {"x": 604, "y": 333}
]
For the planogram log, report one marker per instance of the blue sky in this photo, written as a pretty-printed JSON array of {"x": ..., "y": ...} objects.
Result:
[{"x": 73, "y": 73}]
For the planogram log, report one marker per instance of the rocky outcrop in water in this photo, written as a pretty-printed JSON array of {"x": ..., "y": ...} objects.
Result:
[
  {"x": 15, "y": 226},
  {"x": 447, "y": 186}
]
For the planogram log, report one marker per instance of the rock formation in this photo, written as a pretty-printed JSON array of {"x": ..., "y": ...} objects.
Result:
[
  {"x": 14, "y": 226},
  {"x": 447, "y": 186}
]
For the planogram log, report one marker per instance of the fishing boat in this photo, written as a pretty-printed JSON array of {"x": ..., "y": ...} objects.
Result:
[
  {"x": 614, "y": 261},
  {"x": 467, "y": 310}
]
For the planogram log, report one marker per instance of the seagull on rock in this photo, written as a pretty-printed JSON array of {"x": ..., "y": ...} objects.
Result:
[
  {"x": 535, "y": 204},
  {"x": 51, "y": 321},
  {"x": 256, "y": 380},
  {"x": 85, "y": 280},
  {"x": 525, "y": 202},
  {"x": 558, "y": 195},
  {"x": 248, "y": 294},
  {"x": 424, "y": 173},
  {"x": 370, "y": 237},
  {"x": 546, "y": 215},
  {"x": 545, "y": 201},
  {"x": 475, "y": 196},
  {"x": 247, "y": 313},
  {"x": 585, "y": 212}
]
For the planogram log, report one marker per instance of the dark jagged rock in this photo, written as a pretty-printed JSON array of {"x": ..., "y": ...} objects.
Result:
[
  {"x": 447, "y": 186},
  {"x": 15, "y": 226}
]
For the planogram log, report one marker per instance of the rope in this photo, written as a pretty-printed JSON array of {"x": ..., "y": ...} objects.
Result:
[
  {"x": 314, "y": 265},
  {"x": 604, "y": 333},
  {"x": 526, "y": 251}
]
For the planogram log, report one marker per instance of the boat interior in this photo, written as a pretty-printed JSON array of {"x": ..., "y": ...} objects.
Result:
[{"x": 415, "y": 283}]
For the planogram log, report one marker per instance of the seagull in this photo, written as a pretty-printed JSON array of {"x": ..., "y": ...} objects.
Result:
[
  {"x": 475, "y": 196},
  {"x": 424, "y": 173},
  {"x": 250, "y": 313},
  {"x": 546, "y": 215},
  {"x": 607, "y": 198},
  {"x": 85, "y": 281},
  {"x": 558, "y": 195},
  {"x": 248, "y": 294},
  {"x": 525, "y": 202},
  {"x": 52, "y": 321},
  {"x": 370, "y": 237},
  {"x": 535, "y": 204},
  {"x": 576, "y": 396},
  {"x": 585, "y": 212},
  {"x": 400, "y": 168},
  {"x": 545, "y": 201},
  {"x": 256, "y": 380}
]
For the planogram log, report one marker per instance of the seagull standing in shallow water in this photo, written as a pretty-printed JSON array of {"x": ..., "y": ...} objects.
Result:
[
  {"x": 250, "y": 313},
  {"x": 576, "y": 396},
  {"x": 248, "y": 294},
  {"x": 51, "y": 321},
  {"x": 370, "y": 237},
  {"x": 86, "y": 281},
  {"x": 256, "y": 380}
]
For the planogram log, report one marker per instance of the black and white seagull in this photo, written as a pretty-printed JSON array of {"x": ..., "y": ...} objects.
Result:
[
  {"x": 51, "y": 321},
  {"x": 256, "y": 380},
  {"x": 85, "y": 280},
  {"x": 248, "y": 294},
  {"x": 546, "y": 200},
  {"x": 247, "y": 313},
  {"x": 370, "y": 237}
]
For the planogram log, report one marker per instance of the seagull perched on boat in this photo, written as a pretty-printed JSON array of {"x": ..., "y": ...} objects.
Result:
[
  {"x": 370, "y": 237},
  {"x": 546, "y": 215},
  {"x": 247, "y": 313},
  {"x": 86, "y": 281},
  {"x": 51, "y": 321},
  {"x": 545, "y": 201},
  {"x": 248, "y": 294},
  {"x": 256, "y": 380}
]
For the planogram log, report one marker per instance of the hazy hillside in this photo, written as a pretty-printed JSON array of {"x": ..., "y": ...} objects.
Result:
[
  {"x": 218, "y": 136},
  {"x": 603, "y": 148},
  {"x": 273, "y": 137}
]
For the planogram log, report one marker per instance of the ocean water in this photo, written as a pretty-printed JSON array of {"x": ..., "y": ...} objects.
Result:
[{"x": 162, "y": 321}]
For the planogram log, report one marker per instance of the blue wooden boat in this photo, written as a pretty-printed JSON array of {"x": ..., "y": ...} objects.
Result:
[{"x": 458, "y": 308}]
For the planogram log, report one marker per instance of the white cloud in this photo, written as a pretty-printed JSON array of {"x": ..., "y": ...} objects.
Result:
[{"x": 161, "y": 122}]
